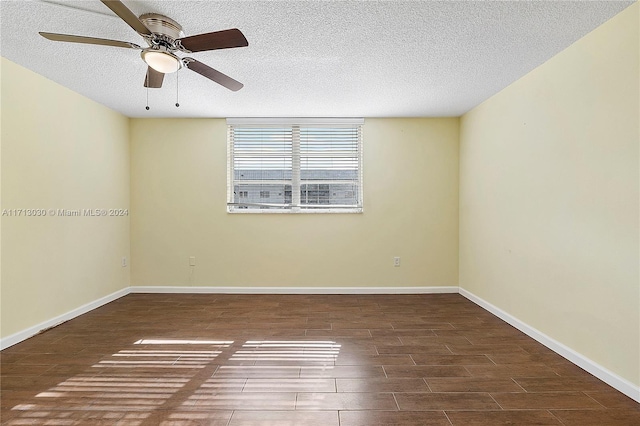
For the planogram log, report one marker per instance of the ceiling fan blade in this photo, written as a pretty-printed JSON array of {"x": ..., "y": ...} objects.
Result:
[
  {"x": 212, "y": 41},
  {"x": 88, "y": 40},
  {"x": 127, "y": 16},
  {"x": 153, "y": 79},
  {"x": 211, "y": 74}
]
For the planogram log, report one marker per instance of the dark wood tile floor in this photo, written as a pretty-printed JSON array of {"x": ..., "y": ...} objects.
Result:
[{"x": 347, "y": 360}]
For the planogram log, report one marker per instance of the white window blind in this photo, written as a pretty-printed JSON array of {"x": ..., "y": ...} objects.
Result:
[{"x": 304, "y": 165}]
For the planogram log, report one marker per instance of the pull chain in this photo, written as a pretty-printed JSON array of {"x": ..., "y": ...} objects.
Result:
[
  {"x": 147, "y": 87},
  {"x": 177, "y": 89}
]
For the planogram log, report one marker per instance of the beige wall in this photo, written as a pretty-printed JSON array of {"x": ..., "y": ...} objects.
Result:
[
  {"x": 178, "y": 198},
  {"x": 549, "y": 195},
  {"x": 59, "y": 151}
]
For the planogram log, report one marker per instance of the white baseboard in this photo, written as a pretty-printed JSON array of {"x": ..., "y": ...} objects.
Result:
[
  {"x": 295, "y": 290},
  {"x": 607, "y": 376},
  {"x": 32, "y": 331}
]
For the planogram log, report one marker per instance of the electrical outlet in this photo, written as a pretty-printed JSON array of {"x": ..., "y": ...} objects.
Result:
[
  {"x": 396, "y": 261},
  {"x": 124, "y": 262},
  {"x": 192, "y": 261}
]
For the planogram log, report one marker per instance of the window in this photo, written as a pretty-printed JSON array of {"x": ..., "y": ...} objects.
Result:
[{"x": 294, "y": 165}]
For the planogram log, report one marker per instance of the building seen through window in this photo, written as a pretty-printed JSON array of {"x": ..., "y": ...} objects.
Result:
[{"x": 335, "y": 193}]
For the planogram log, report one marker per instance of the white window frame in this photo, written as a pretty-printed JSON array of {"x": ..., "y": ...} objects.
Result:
[{"x": 295, "y": 124}]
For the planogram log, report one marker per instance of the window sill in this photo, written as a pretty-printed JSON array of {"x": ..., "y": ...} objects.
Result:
[{"x": 295, "y": 211}]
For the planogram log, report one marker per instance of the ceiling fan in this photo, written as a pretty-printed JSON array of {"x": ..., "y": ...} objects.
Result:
[{"x": 164, "y": 37}]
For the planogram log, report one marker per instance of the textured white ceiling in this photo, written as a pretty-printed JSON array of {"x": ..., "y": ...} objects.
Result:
[{"x": 306, "y": 58}]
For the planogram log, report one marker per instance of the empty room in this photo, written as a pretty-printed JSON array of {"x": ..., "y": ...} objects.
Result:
[{"x": 331, "y": 213}]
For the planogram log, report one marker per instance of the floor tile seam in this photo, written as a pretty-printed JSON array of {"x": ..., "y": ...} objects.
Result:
[
  {"x": 537, "y": 393},
  {"x": 230, "y": 417},
  {"x": 447, "y": 416},
  {"x": 598, "y": 410},
  {"x": 469, "y": 372},
  {"x": 514, "y": 380},
  {"x": 592, "y": 398},
  {"x": 244, "y": 384},
  {"x": 500, "y": 410},
  {"x": 546, "y": 392},
  {"x": 491, "y": 359},
  {"x": 557, "y": 391},
  {"x": 396, "y": 401},
  {"x": 446, "y": 345},
  {"x": 424, "y": 379},
  {"x": 494, "y": 400},
  {"x": 555, "y": 417}
]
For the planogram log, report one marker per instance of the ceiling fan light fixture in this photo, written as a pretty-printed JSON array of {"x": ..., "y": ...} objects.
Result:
[{"x": 161, "y": 60}]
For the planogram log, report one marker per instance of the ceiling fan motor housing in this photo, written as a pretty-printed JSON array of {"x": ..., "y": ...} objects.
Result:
[{"x": 166, "y": 28}]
